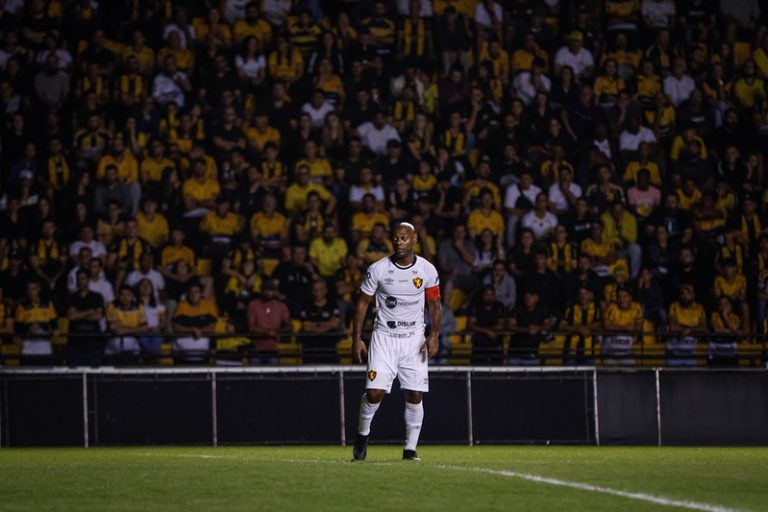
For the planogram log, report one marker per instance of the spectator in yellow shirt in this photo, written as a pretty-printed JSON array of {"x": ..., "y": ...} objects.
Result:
[
  {"x": 372, "y": 249},
  {"x": 153, "y": 226},
  {"x": 221, "y": 224},
  {"x": 296, "y": 194},
  {"x": 621, "y": 231},
  {"x": 733, "y": 285},
  {"x": 269, "y": 229},
  {"x": 749, "y": 90},
  {"x": 127, "y": 170},
  {"x": 327, "y": 253},
  {"x": 364, "y": 221},
  {"x": 686, "y": 318},
  {"x": 485, "y": 217},
  {"x": 199, "y": 192},
  {"x": 625, "y": 317}
]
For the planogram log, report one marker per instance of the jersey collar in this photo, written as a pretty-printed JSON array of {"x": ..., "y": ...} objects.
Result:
[{"x": 400, "y": 267}]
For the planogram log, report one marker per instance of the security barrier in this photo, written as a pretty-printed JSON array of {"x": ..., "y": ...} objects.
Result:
[{"x": 318, "y": 405}]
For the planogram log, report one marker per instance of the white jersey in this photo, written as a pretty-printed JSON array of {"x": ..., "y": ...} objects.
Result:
[{"x": 399, "y": 292}]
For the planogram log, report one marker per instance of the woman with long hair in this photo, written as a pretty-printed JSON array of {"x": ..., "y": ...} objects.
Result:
[{"x": 154, "y": 311}]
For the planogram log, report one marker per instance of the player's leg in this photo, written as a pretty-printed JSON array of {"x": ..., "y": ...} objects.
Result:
[
  {"x": 414, "y": 417},
  {"x": 413, "y": 374},
  {"x": 379, "y": 377}
]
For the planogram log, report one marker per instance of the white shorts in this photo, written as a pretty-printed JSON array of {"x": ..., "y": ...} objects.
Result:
[{"x": 398, "y": 355}]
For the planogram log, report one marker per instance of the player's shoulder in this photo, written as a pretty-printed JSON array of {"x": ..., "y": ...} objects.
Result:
[
  {"x": 425, "y": 264},
  {"x": 379, "y": 266}
]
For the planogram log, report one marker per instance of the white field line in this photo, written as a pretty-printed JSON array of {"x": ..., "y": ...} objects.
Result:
[{"x": 640, "y": 496}]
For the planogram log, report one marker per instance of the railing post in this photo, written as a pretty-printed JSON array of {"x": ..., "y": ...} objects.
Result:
[
  {"x": 86, "y": 440},
  {"x": 470, "y": 428},
  {"x": 658, "y": 409},
  {"x": 342, "y": 411},
  {"x": 594, "y": 407},
  {"x": 214, "y": 411}
]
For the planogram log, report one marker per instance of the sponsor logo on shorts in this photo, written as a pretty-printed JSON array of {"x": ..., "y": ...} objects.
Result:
[
  {"x": 371, "y": 375},
  {"x": 417, "y": 282}
]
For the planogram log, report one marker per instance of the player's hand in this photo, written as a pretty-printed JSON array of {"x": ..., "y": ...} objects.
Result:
[
  {"x": 359, "y": 351},
  {"x": 431, "y": 345}
]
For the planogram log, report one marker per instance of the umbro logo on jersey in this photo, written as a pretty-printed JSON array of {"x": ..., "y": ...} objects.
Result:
[
  {"x": 417, "y": 282},
  {"x": 371, "y": 375}
]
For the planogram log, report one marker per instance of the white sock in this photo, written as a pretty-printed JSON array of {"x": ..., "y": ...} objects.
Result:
[
  {"x": 414, "y": 415},
  {"x": 367, "y": 410}
]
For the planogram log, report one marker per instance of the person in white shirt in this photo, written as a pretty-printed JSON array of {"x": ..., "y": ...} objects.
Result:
[
  {"x": 519, "y": 198},
  {"x": 678, "y": 86},
  {"x": 634, "y": 135},
  {"x": 318, "y": 108},
  {"x": 576, "y": 56},
  {"x": 540, "y": 220},
  {"x": 366, "y": 186},
  {"x": 488, "y": 14},
  {"x": 657, "y": 13},
  {"x": 170, "y": 85},
  {"x": 529, "y": 83},
  {"x": 564, "y": 193},
  {"x": 375, "y": 135},
  {"x": 276, "y": 11},
  {"x": 87, "y": 239},
  {"x": 146, "y": 271}
]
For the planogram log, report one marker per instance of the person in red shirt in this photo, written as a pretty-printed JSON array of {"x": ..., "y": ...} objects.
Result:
[{"x": 268, "y": 318}]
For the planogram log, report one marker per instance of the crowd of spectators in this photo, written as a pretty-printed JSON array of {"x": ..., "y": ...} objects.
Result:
[{"x": 199, "y": 167}]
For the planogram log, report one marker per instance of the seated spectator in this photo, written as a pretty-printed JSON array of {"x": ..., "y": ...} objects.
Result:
[
  {"x": 621, "y": 231},
  {"x": 239, "y": 292},
  {"x": 504, "y": 285},
  {"x": 268, "y": 318},
  {"x": 35, "y": 322},
  {"x": 733, "y": 285},
  {"x": 364, "y": 220},
  {"x": 564, "y": 194},
  {"x": 125, "y": 253},
  {"x": 147, "y": 270},
  {"x": 562, "y": 253},
  {"x": 199, "y": 191},
  {"x": 485, "y": 320},
  {"x": 687, "y": 319},
  {"x": 529, "y": 322},
  {"x": 126, "y": 320},
  {"x": 87, "y": 239},
  {"x": 328, "y": 252},
  {"x": 269, "y": 229},
  {"x": 155, "y": 314},
  {"x": 221, "y": 225},
  {"x": 195, "y": 317},
  {"x": 643, "y": 199},
  {"x": 294, "y": 277},
  {"x": 153, "y": 226},
  {"x": 297, "y": 193},
  {"x": 378, "y": 245},
  {"x": 111, "y": 189},
  {"x": 625, "y": 318},
  {"x": 320, "y": 320},
  {"x": 723, "y": 349},
  {"x": 376, "y": 134},
  {"x": 540, "y": 220},
  {"x": 575, "y": 56},
  {"x": 582, "y": 321}
]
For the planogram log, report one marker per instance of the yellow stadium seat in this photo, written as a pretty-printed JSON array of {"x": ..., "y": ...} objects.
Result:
[{"x": 10, "y": 353}]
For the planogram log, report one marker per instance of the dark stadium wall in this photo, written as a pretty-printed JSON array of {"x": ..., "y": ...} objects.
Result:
[{"x": 630, "y": 407}]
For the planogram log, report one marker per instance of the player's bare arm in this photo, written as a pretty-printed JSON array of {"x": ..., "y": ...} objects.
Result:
[
  {"x": 435, "y": 317},
  {"x": 359, "y": 350}
]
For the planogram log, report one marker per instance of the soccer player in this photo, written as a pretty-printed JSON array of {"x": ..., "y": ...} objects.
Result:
[{"x": 398, "y": 347}]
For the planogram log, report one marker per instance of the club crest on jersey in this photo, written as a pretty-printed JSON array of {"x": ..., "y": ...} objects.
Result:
[
  {"x": 417, "y": 282},
  {"x": 371, "y": 375}
]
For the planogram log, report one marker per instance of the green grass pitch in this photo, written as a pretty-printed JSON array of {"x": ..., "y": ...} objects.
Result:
[{"x": 323, "y": 478}]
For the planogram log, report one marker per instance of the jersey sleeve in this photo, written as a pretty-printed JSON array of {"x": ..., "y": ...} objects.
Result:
[
  {"x": 432, "y": 278},
  {"x": 371, "y": 282}
]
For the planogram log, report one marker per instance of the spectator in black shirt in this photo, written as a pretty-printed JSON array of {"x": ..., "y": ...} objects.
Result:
[
  {"x": 320, "y": 317},
  {"x": 485, "y": 320},
  {"x": 529, "y": 322},
  {"x": 294, "y": 277},
  {"x": 85, "y": 313}
]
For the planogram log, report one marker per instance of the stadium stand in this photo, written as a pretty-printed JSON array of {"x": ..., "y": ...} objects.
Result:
[{"x": 588, "y": 176}]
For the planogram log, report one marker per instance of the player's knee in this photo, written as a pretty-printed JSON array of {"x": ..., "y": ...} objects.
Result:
[
  {"x": 413, "y": 397},
  {"x": 374, "y": 396}
]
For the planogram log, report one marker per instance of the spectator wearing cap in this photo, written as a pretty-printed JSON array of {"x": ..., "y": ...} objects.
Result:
[
  {"x": 268, "y": 319},
  {"x": 575, "y": 56}
]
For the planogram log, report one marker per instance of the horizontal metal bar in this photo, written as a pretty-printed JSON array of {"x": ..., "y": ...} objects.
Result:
[{"x": 334, "y": 369}]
